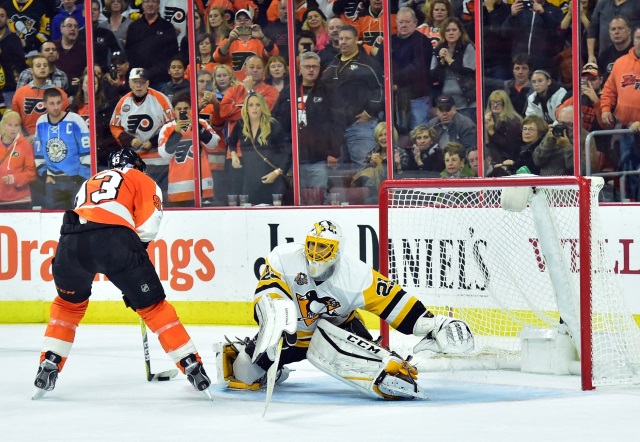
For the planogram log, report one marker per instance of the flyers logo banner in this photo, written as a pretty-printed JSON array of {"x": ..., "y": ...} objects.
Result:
[
  {"x": 174, "y": 14},
  {"x": 136, "y": 123},
  {"x": 312, "y": 307}
]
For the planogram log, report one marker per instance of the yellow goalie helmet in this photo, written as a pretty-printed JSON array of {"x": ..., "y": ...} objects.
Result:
[{"x": 323, "y": 246}]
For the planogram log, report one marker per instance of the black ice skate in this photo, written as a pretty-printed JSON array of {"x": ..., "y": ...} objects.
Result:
[
  {"x": 47, "y": 375},
  {"x": 196, "y": 374}
]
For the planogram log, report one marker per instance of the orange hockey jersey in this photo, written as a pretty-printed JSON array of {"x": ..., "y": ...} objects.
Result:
[
  {"x": 27, "y": 101},
  {"x": 231, "y": 104},
  {"x": 239, "y": 51},
  {"x": 179, "y": 151},
  {"x": 122, "y": 197}
]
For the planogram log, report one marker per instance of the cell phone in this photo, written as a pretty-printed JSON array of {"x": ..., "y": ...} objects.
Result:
[
  {"x": 584, "y": 82},
  {"x": 182, "y": 115},
  {"x": 113, "y": 71},
  {"x": 306, "y": 47},
  {"x": 208, "y": 87},
  {"x": 244, "y": 30},
  {"x": 527, "y": 4}
]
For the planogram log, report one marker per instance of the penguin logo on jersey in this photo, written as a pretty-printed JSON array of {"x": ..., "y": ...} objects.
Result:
[
  {"x": 176, "y": 15},
  {"x": 312, "y": 307},
  {"x": 32, "y": 105},
  {"x": 135, "y": 123},
  {"x": 301, "y": 279},
  {"x": 56, "y": 150},
  {"x": 23, "y": 25}
]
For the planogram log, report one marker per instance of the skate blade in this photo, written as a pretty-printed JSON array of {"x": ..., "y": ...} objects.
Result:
[
  {"x": 207, "y": 393},
  {"x": 38, "y": 393}
]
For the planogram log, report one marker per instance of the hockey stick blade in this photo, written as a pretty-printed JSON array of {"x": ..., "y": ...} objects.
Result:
[
  {"x": 271, "y": 376},
  {"x": 163, "y": 375}
]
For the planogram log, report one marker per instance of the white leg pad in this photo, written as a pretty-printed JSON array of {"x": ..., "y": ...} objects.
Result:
[
  {"x": 362, "y": 364},
  {"x": 275, "y": 317}
]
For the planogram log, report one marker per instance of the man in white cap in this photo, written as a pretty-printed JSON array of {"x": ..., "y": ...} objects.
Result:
[
  {"x": 245, "y": 40},
  {"x": 137, "y": 120}
]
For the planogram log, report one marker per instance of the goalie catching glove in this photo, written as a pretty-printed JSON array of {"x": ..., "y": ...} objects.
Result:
[{"x": 443, "y": 334}]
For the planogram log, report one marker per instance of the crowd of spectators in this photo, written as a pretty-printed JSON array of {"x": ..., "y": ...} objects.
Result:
[{"x": 142, "y": 75}]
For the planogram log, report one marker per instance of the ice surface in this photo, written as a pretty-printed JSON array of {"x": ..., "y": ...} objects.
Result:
[{"x": 103, "y": 395}]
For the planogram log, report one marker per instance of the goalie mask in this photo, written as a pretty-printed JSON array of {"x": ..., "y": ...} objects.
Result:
[
  {"x": 126, "y": 158},
  {"x": 323, "y": 246}
]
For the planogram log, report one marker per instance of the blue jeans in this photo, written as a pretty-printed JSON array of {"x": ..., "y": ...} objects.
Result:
[
  {"x": 420, "y": 111},
  {"x": 313, "y": 183},
  {"x": 630, "y": 162},
  {"x": 358, "y": 142}
]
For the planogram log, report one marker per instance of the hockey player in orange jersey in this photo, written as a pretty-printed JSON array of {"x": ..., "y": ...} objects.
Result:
[{"x": 118, "y": 211}]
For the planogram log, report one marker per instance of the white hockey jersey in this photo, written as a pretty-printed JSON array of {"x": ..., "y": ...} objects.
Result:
[{"x": 353, "y": 285}]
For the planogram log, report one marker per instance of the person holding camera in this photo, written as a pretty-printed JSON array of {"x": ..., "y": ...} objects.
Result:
[
  {"x": 245, "y": 39},
  {"x": 532, "y": 27},
  {"x": 176, "y": 144}
]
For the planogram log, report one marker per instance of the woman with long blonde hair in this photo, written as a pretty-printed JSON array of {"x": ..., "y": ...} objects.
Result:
[
  {"x": 502, "y": 126},
  {"x": 216, "y": 25},
  {"x": 265, "y": 150}
]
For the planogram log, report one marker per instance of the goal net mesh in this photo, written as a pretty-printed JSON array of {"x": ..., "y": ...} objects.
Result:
[{"x": 463, "y": 255}]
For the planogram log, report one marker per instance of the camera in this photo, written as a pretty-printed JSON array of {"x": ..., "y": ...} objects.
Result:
[
  {"x": 113, "y": 71},
  {"x": 528, "y": 4},
  {"x": 559, "y": 130},
  {"x": 306, "y": 47},
  {"x": 244, "y": 30},
  {"x": 182, "y": 115}
]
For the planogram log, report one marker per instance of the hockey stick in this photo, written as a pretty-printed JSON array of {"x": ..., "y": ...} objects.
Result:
[
  {"x": 162, "y": 376},
  {"x": 271, "y": 376}
]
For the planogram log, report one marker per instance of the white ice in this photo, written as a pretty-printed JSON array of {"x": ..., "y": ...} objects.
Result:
[{"x": 103, "y": 395}]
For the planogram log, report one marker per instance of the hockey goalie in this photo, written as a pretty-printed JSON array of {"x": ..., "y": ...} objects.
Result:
[{"x": 308, "y": 294}]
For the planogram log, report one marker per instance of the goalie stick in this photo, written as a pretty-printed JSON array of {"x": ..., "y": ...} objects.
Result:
[
  {"x": 272, "y": 374},
  {"x": 162, "y": 376}
]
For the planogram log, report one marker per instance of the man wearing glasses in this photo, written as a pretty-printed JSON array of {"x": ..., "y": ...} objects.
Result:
[{"x": 72, "y": 53}]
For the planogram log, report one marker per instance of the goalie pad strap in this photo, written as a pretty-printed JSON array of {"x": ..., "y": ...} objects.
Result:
[{"x": 362, "y": 364}]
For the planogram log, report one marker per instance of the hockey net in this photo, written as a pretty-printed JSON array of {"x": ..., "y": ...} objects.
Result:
[{"x": 542, "y": 266}]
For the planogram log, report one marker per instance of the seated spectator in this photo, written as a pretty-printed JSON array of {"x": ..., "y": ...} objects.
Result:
[
  {"x": 176, "y": 143},
  {"x": 474, "y": 162},
  {"x": 17, "y": 166},
  {"x": 454, "y": 65},
  {"x": 245, "y": 40},
  {"x": 591, "y": 88},
  {"x": 534, "y": 128},
  {"x": 546, "y": 97},
  {"x": 375, "y": 169},
  {"x": 455, "y": 165},
  {"x": 57, "y": 77},
  {"x": 266, "y": 154},
  {"x": 426, "y": 153},
  {"x": 450, "y": 125},
  {"x": 554, "y": 154},
  {"x": 519, "y": 88},
  {"x": 277, "y": 72},
  {"x": 68, "y": 8},
  {"x": 503, "y": 126},
  {"x": 315, "y": 21},
  {"x": 178, "y": 83}
]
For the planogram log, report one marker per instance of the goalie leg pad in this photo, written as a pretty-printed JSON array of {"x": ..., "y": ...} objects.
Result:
[
  {"x": 443, "y": 334},
  {"x": 231, "y": 357},
  {"x": 275, "y": 316},
  {"x": 362, "y": 364}
]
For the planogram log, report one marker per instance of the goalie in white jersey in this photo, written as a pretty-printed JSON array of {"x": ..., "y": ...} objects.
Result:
[{"x": 309, "y": 294}]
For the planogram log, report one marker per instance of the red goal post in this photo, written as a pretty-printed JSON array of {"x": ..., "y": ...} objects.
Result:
[{"x": 515, "y": 257}]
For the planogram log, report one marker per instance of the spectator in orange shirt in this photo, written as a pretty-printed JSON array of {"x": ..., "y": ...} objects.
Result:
[
  {"x": 17, "y": 166},
  {"x": 245, "y": 40}
]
